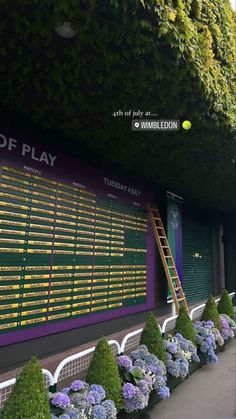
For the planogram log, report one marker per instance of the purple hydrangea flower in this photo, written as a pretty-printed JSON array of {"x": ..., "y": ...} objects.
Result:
[
  {"x": 77, "y": 385},
  {"x": 164, "y": 392},
  {"x": 124, "y": 361},
  {"x": 64, "y": 416},
  {"x": 60, "y": 400},
  {"x": 129, "y": 390}
]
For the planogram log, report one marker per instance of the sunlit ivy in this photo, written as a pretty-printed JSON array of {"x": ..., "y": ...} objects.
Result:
[{"x": 172, "y": 57}]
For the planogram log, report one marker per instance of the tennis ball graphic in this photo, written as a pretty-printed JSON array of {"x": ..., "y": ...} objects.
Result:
[{"x": 186, "y": 125}]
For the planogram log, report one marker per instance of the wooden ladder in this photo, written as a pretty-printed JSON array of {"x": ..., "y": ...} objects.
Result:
[{"x": 167, "y": 259}]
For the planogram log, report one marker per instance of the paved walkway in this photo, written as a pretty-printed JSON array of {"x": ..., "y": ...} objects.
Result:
[{"x": 210, "y": 393}]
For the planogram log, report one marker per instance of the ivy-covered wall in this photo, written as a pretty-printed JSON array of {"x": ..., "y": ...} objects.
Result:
[{"x": 171, "y": 57}]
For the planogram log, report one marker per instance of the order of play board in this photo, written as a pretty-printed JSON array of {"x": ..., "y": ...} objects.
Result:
[{"x": 66, "y": 252}]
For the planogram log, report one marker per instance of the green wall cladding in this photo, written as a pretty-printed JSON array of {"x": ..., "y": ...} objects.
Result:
[{"x": 197, "y": 259}]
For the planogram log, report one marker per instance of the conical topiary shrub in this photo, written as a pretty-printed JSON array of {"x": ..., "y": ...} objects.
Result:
[
  {"x": 103, "y": 370},
  {"x": 151, "y": 337},
  {"x": 184, "y": 325},
  {"x": 29, "y": 397},
  {"x": 225, "y": 305},
  {"x": 211, "y": 313}
]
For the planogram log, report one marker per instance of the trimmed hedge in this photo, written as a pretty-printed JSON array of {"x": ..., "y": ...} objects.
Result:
[
  {"x": 29, "y": 397},
  {"x": 103, "y": 370},
  {"x": 211, "y": 313},
  {"x": 151, "y": 337},
  {"x": 184, "y": 325},
  {"x": 225, "y": 305}
]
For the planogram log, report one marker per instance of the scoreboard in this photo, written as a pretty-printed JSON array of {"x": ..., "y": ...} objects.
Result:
[{"x": 69, "y": 255}]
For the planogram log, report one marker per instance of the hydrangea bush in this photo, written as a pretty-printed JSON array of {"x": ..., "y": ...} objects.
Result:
[
  {"x": 180, "y": 353},
  {"x": 230, "y": 322},
  {"x": 82, "y": 401},
  {"x": 226, "y": 330},
  {"x": 205, "y": 339},
  {"x": 141, "y": 373}
]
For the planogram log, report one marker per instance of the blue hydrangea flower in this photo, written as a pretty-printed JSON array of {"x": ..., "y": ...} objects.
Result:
[
  {"x": 90, "y": 398},
  {"x": 64, "y": 416},
  {"x": 139, "y": 353},
  {"x": 195, "y": 358},
  {"x": 65, "y": 390},
  {"x": 137, "y": 402},
  {"x": 171, "y": 347},
  {"x": 159, "y": 382},
  {"x": 143, "y": 385},
  {"x": 99, "y": 389},
  {"x": 98, "y": 412},
  {"x": 141, "y": 364},
  {"x": 110, "y": 408},
  {"x": 72, "y": 412}
]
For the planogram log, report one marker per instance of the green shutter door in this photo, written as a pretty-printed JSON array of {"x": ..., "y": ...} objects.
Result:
[{"x": 197, "y": 259}]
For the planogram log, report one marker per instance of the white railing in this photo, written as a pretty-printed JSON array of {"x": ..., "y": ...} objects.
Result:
[
  {"x": 169, "y": 324},
  {"x": 76, "y": 365},
  {"x": 196, "y": 312},
  {"x": 131, "y": 340},
  {"x": 6, "y": 386}
]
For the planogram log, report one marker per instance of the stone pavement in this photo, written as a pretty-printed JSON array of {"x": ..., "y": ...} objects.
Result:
[{"x": 210, "y": 393}]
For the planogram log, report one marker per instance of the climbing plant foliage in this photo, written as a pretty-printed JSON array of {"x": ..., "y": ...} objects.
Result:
[{"x": 174, "y": 58}]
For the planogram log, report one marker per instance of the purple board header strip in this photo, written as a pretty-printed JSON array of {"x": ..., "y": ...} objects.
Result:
[{"x": 43, "y": 161}]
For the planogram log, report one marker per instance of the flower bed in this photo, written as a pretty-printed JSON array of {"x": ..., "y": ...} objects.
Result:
[
  {"x": 133, "y": 383},
  {"x": 82, "y": 401}
]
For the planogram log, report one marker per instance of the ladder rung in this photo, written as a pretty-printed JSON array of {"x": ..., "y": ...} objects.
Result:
[
  {"x": 171, "y": 266},
  {"x": 173, "y": 277},
  {"x": 167, "y": 256},
  {"x": 160, "y": 228},
  {"x": 162, "y": 237},
  {"x": 181, "y": 299},
  {"x": 156, "y": 218},
  {"x": 165, "y": 247}
]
